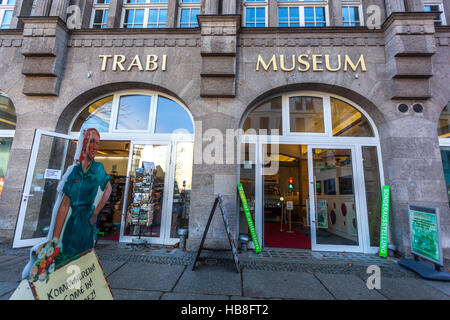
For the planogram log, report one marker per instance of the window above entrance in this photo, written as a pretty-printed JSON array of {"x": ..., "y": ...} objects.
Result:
[
  {"x": 7, "y": 113},
  {"x": 306, "y": 113},
  {"x": 135, "y": 111},
  {"x": 444, "y": 123}
]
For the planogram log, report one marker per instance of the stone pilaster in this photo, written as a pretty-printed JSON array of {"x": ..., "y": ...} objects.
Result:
[
  {"x": 44, "y": 47},
  {"x": 115, "y": 8},
  {"x": 59, "y": 9},
  {"x": 414, "y": 5},
  {"x": 41, "y": 8},
  {"x": 394, "y": 6},
  {"x": 410, "y": 44},
  {"x": 335, "y": 12},
  {"x": 219, "y": 37}
]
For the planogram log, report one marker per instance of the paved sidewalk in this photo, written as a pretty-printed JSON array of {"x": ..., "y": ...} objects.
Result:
[{"x": 164, "y": 273}]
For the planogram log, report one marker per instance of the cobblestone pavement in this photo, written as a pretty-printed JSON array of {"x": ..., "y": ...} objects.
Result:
[{"x": 166, "y": 273}]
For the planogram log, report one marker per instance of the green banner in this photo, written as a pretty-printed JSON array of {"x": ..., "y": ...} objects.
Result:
[
  {"x": 249, "y": 218},
  {"x": 424, "y": 233},
  {"x": 384, "y": 228}
]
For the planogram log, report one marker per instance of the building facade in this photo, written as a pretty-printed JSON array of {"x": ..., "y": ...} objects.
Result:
[{"x": 334, "y": 98}]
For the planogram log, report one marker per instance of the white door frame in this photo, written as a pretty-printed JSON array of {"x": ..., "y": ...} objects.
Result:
[
  {"x": 358, "y": 191},
  {"x": 18, "y": 241}
]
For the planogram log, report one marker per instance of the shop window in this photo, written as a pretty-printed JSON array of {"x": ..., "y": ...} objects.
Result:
[
  {"x": 255, "y": 13},
  {"x": 170, "y": 117},
  {"x": 7, "y": 128},
  {"x": 267, "y": 116},
  {"x": 135, "y": 112},
  {"x": 189, "y": 9},
  {"x": 436, "y": 6},
  {"x": 99, "y": 14},
  {"x": 97, "y": 115},
  {"x": 295, "y": 13},
  {"x": 347, "y": 121},
  {"x": 6, "y": 13},
  {"x": 306, "y": 114}
]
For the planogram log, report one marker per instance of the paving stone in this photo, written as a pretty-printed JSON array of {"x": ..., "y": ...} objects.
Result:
[
  {"x": 110, "y": 266},
  {"x": 7, "y": 288},
  {"x": 145, "y": 276},
  {"x": 11, "y": 267},
  {"x": 122, "y": 294},
  {"x": 442, "y": 286},
  {"x": 410, "y": 289},
  {"x": 215, "y": 280},
  {"x": 348, "y": 287},
  {"x": 288, "y": 285},
  {"x": 191, "y": 296}
]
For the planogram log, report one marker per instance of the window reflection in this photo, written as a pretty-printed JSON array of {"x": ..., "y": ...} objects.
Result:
[
  {"x": 306, "y": 114},
  {"x": 266, "y": 116},
  {"x": 8, "y": 116},
  {"x": 133, "y": 112},
  {"x": 172, "y": 117},
  {"x": 97, "y": 116},
  {"x": 347, "y": 121}
]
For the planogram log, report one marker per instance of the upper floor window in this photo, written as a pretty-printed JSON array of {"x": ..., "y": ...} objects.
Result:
[
  {"x": 352, "y": 13},
  {"x": 6, "y": 13},
  {"x": 297, "y": 13},
  {"x": 436, "y": 6},
  {"x": 255, "y": 13},
  {"x": 188, "y": 12},
  {"x": 99, "y": 16},
  {"x": 145, "y": 14}
]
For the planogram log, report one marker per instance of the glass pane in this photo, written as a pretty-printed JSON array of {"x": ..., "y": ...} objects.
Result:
[
  {"x": 8, "y": 116},
  {"x": 283, "y": 15},
  {"x": 445, "y": 154},
  {"x": 146, "y": 189},
  {"x": 53, "y": 153},
  {"x": 320, "y": 14},
  {"x": 5, "y": 150},
  {"x": 182, "y": 187},
  {"x": 306, "y": 114},
  {"x": 11, "y": 2},
  {"x": 250, "y": 15},
  {"x": 348, "y": 122},
  {"x": 171, "y": 117},
  {"x": 444, "y": 123},
  {"x": 194, "y": 13},
  {"x": 98, "y": 17},
  {"x": 335, "y": 208},
  {"x": 7, "y": 17},
  {"x": 153, "y": 16},
  {"x": 133, "y": 112},
  {"x": 286, "y": 194},
  {"x": 139, "y": 16},
  {"x": 373, "y": 193},
  {"x": 309, "y": 14},
  {"x": 266, "y": 116},
  {"x": 247, "y": 178},
  {"x": 345, "y": 16},
  {"x": 97, "y": 116}
]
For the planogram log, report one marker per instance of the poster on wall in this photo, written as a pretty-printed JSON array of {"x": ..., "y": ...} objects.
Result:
[
  {"x": 322, "y": 214},
  {"x": 424, "y": 230}
]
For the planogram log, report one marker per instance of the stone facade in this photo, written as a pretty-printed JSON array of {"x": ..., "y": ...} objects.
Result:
[{"x": 51, "y": 73}]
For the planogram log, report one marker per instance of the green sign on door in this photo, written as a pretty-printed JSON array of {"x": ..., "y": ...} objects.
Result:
[{"x": 249, "y": 218}]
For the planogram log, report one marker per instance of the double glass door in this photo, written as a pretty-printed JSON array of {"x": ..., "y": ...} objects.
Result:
[
  {"x": 312, "y": 197},
  {"x": 157, "y": 190}
]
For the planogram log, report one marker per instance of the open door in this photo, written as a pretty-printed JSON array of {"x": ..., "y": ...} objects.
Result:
[{"x": 50, "y": 156}]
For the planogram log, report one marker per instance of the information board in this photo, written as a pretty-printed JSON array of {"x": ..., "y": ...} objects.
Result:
[
  {"x": 424, "y": 230},
  {"x": 81, "y": 279}
]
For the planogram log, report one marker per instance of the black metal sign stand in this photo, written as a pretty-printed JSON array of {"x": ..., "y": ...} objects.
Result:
[{"x": 231, "y": 238}]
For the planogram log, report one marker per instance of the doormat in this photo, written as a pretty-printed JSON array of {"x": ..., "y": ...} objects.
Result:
[{"x": 274, "y": 238}]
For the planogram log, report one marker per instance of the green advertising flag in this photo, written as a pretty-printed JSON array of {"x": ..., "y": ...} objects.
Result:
[
  {"x": 249, "y": 218},
  {"x": 384, "y": 231}
]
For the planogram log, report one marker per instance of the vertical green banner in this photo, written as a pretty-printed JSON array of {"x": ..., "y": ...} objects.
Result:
[
  {"x": 249, "y": 218},
  {"x": 384, "y": 228}
]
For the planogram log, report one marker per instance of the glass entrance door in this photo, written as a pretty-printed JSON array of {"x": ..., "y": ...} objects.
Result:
[
  {"x": 333, "y": 205},
  {"x": 51, "y": 154}
]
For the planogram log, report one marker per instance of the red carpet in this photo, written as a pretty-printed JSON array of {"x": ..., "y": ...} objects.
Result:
[
  {"x": 274, "y": 238},
  {"x": 114, "y": 237}
]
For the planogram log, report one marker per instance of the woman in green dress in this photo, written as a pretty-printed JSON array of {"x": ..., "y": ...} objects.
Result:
[{"x": 78, "y": 234}]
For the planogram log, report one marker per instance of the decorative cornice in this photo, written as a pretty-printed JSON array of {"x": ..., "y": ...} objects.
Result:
[{"x": 147, "y": 42}]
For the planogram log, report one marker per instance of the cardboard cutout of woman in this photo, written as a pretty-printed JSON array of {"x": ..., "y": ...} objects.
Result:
[{"x": 83, "y": 192}]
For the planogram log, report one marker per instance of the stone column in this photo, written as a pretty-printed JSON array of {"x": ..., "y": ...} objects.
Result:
[
  {"x": 229, "y": 7},
  {"x": 41, "y": 8},
  {"x": 394, "y": 6},
  {"x": 115, "y": 14},
  {"x": 22, "y": 9},
  {"x": 335, "y": 13},
  {"x": 59, "y": 9},
  {"x": 411, "y": 154},
  {"x": 272, "y": 13},
  {"x": 85, "y": 11},
  {"x": 414, "y": 5},
  {"x": 211, "y": 7},
  {"x": 172, "y": 14}
]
